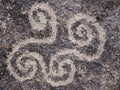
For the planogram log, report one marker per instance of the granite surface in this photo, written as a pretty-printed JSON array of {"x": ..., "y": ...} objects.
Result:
[{"x": 59, "y": 45}]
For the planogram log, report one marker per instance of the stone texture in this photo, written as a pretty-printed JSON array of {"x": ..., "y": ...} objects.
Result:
[{"x": 100, "y": 74}]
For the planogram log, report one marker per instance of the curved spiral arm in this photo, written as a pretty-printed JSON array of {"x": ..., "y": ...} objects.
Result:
[
  {"x": 59, "y": 72},
  {"x": 26, "y": 63},
  {"x": 41, "y": 15},
  {"x": 80, "y": 30}
]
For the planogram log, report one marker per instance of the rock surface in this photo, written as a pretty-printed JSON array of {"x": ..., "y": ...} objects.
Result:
[{"x": 83, "y": 72}]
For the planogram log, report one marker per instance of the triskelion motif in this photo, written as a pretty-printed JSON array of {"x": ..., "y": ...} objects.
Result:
[{"x": 81, "y": 32}]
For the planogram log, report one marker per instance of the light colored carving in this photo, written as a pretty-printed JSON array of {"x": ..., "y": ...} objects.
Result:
[
  {"x": 92, "y": 21},
  {"x": 28, "y": 64},
  {"x": 40, "y": 23},
  {"x": 32, "y": 63},
  {"x": 61, "y": 71}
]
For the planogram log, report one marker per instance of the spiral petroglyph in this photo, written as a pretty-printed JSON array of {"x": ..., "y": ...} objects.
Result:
[
  {"x": 23, "y": 64},
  {"x": 58, "y": 75},
  {"x": 25, "y": 61},
  {"x": 81, "y": 32},
  {"x": 43, "y": 19}
]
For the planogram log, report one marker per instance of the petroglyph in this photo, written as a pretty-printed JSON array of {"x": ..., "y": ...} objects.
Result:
[
  {"x": 26, "y": 63},
  {"x": 60, "y": 71},
  {"x": 41, "y": 15},
  {"x": 61, "y": 68},
  {"x": 80, "y": 30}
]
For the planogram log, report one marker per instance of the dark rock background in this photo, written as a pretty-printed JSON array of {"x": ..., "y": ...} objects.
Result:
[{"x": 102, "y": 74}]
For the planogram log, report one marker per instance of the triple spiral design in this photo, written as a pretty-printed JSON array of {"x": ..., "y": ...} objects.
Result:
[{"x": 23, "y": 64}]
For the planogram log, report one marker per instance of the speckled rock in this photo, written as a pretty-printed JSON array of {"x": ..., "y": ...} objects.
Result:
[{"x": 82, "y": 72}]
